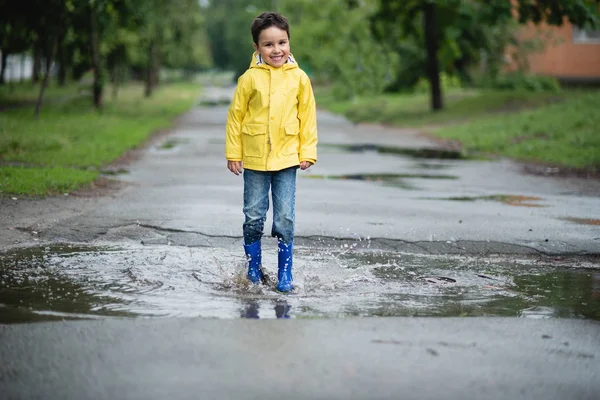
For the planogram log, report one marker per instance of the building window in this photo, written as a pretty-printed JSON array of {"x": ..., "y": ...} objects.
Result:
[{"x": 585, "y": 36}]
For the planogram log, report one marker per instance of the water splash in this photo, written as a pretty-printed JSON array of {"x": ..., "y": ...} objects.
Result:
[{"x": 330, "y": 281}]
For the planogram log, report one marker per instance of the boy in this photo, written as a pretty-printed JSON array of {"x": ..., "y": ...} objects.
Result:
[{"x": 271, "y": 131}]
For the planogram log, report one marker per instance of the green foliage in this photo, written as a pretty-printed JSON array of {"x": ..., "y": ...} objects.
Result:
[
  {"x": 447, "y": 82},
  {"x": 333, "y": 38},
  {"x": 522, "y": 81},
  {"x": 463, "y": 30},
  {"x": 330, "y": 40},
  {"x": 578, "y": 12},
  {"x": 412, "y": 110},
  {"x": 228, "y": 29},
  {"x": 466, "y": 31}
]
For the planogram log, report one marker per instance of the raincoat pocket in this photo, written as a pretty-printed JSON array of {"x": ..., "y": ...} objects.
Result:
[
  {"x": 253, "y": 139},
  {"x": 292, "y": 141}
]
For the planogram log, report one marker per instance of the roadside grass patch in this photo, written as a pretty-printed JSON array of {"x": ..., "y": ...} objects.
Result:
[
  {"x": 71, "y": 135},
  {"x": 43, "y": 181},
  {"x": 18, "y": 94},
  {"x": 565, "y": 134}
]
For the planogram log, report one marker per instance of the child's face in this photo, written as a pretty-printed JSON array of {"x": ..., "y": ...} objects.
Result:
[{"x": 273, "y": 46}]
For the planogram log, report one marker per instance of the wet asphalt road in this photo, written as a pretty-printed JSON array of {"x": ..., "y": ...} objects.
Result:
[
  {"x": 180, "y": 194},
  {"x": 369, "y": 358}
]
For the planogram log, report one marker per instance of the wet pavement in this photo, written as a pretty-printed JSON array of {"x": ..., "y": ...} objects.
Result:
[{"x": 140, "y": 291}]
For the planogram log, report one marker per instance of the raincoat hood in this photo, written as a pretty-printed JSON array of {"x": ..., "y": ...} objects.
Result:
[{"x": 258, "y": 62}]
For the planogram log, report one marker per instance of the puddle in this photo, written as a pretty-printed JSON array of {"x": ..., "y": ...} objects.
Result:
[
  {"x": 512, "y": 200},
  {"x": 215, "y": 102},
  {"x": 427, "y": 153},
  {"x": 424, "y": 165},
  {"x": 171, "y": 143},
  {"x": 396, "y": 180},
  {"x": 583, "y": 221},
  {"x": 65, "y": 282},
  {"x": 114, "y": 172}
]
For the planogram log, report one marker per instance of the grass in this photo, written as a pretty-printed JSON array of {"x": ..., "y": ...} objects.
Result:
[
  {"x": 42, "y": 181},
  {"x": 413, "y": 110},
  {"x": 565, "y": 134},
  {"x": 561, "y": 129},
  {"x": 25, "y": 93},
  {"x": 71, "y": 141}
]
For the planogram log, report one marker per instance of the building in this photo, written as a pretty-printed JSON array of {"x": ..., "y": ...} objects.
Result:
[{"x": 567, "y": 53}]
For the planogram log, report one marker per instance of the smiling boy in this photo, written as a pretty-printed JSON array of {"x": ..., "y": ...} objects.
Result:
[{"x": 271, "y": 132}]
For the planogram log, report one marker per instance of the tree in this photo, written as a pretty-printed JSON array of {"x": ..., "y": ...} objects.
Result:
[
  {"x": 228, "y": 27},
  {"x": 336, "y": 43},
  {"x": 172, "y": 34},
  {"x": 329, "y": 39},
  {"x": 15, "y": 36},
  {"x": 49, "y": 24},
  {"x": 455, "y": 28}
]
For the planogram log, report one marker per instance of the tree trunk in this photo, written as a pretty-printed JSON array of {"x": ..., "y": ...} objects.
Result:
[
  {"x": 22, "y": 77},
  {"x": 49, "y": 60},
  {"x": 62, "y": 62},
  {"x": 3, "y": 67},
  {"x": 98, "y": 85},
  {"x": 116, "y": 80},
  {"x": 433, "y": 70},
  {"x": 151, "y": 72},
  {"x": 37, "y": 63}
]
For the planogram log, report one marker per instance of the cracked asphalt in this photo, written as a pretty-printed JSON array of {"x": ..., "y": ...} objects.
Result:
[{"x": 183, "y": 195}]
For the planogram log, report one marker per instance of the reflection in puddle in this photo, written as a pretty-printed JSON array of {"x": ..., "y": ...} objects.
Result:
[
  {"x": 251, "y": 309},
  {"x": 512, "y": 200},
  {"x": 65, "y": 282},
  {"x": 429, "y": 153}
]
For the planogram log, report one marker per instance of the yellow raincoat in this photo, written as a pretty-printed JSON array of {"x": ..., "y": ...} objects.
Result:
[{"x": 271, "y": 124}]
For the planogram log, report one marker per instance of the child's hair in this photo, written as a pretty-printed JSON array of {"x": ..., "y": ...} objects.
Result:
[{"x": 267, "y": 20}]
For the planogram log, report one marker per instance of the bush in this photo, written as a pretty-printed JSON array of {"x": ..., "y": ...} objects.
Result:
[
  {"x": 525, "y": 82},
  {"x": 447, "y": 81}
]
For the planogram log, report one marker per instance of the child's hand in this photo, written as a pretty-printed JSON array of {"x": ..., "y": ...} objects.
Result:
[
  {"x": 305, "y": 165},
  {"x": 235, "y": 166}
]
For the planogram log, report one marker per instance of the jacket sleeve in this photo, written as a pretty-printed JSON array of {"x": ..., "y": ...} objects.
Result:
[
  {"x": 307, "y": 114},
  {"x": 235, "y": 116}
]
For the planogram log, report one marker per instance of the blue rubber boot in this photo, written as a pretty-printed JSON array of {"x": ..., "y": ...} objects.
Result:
[
  {"x": 254, "y": 256},
  {"x": 284, "y": 272}
]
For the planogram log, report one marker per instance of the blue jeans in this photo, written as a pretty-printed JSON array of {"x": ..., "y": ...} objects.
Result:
[{"x": 256, "y": 203}]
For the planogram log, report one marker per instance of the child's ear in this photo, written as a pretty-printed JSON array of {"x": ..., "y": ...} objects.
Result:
[{"x": 255, "y": 46}]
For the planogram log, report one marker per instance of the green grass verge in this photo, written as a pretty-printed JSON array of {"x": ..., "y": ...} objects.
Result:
[
  {"x": 565, "y": 134},
  {"x": 43, "y": 181},
  {"x": 413, "y": 110},
  {"x": 71, "y": 135},
  {"x": 561, "y": 129}
]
